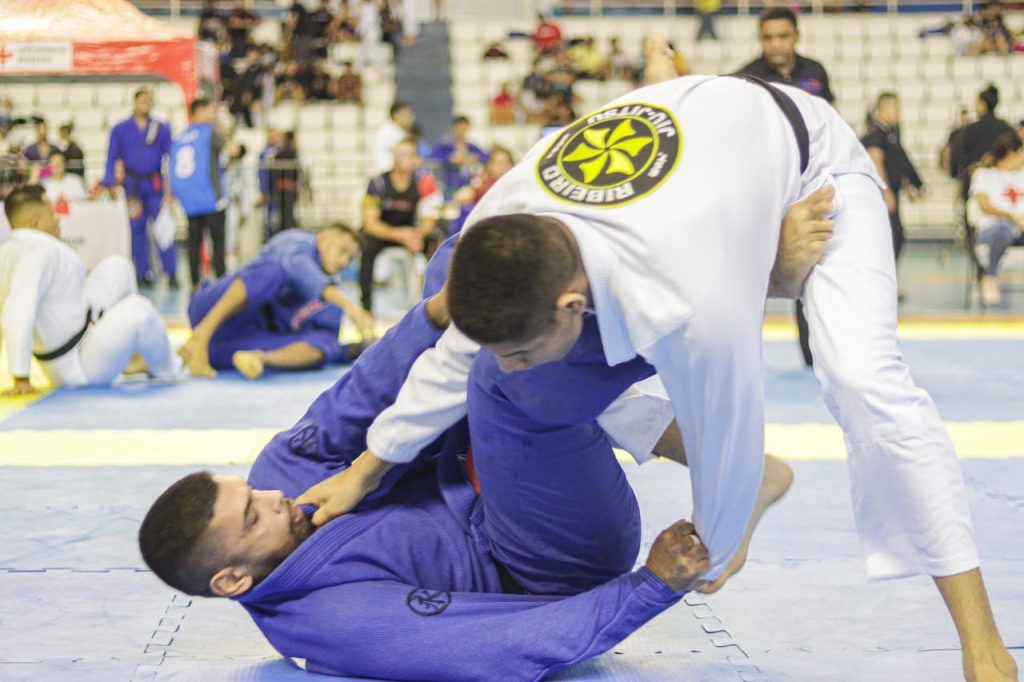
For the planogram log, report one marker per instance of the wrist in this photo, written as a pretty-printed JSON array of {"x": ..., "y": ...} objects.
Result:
[{"x": 370, "y": 469}]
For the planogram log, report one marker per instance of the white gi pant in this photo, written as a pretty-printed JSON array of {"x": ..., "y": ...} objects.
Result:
[
  {"x": 909, "y": 497},
  {"x": 124, "y": 323}
]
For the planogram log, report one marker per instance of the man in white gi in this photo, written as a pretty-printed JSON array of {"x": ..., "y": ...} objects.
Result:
[
  {"x": 661, "y": 213},
  {"x": 83, "y": 330}
]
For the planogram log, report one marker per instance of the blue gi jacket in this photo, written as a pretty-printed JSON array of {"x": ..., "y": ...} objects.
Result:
[
  {"x": 299, "y": 300},
  {"x": 142, "y": 151}
]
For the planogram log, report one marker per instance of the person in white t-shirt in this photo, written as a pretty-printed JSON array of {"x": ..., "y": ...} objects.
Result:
[
  {"x": 398, "y": 128},
  {"x": 83, "y": 330},
  {"x": 61, "y": 185},
  {"x": 649, "y": 223},
  {"x": 996, "y": 207}
]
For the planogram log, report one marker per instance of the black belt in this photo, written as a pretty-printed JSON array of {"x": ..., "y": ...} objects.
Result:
[
  {"x": 792, "y": 114},
  {"x": 71, "y": 343}
]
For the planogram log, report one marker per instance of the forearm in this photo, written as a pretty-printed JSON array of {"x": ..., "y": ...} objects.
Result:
[
  {"x": 432, "y": 399},
  {"x": 232, "y": 302},
  {"x": 379, "y": 230},
  {"x": 425, "y": 225},
  {"x": 334, "y": 295}
]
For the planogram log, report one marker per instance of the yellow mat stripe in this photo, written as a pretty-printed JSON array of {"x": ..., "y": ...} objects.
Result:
[{"x": 190, "y": 447}]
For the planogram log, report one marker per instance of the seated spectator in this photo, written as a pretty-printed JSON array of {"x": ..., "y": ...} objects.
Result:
[
  {"x": 72, "y": 152},
  {"x": 495, "y": 51},
  {"x": 399, "y": 209},
  {"x": 458, "y": 158},
  {"x": 348, "y": 86},
  {"x": 39, "y": 150},
  {"x": 560, "y": 77},
  {"x": 547, "y": 36},
  {"x": 319, "y": 82},
  {"x": 966, "y": 35},
  {"x": 298, "y": 32},
  {"x": 503, "y": 107},
  {"x": 212, "y": 26},
  {"x": 499, "y": 162},
  {"x": 587, "y": 61},
  {"x": 344, "y": 26},
  {"x": 557, "y": 111},
  {"x": 62, "y": 186},
  {"x": 996, "y": 37},
  {"x": 400, "y": 127},
  {"x": 292, "y": 82},
  {"x": 996, "y": 207}
]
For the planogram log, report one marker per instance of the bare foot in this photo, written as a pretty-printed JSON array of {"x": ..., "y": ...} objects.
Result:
[
  {"x": 778, "y": 476},
  {"x": 249, "y": 363},
  {"x": 136, "y": 365}
]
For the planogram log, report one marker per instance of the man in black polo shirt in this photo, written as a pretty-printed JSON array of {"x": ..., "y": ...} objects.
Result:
[{"x": 779, "y": 63}]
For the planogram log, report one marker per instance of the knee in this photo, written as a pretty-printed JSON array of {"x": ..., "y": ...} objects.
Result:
[{"x": 138, "y": 309}]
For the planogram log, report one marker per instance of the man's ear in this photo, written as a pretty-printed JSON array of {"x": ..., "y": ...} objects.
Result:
[
  {"x": 573, "y": 301},
  {"x": 233, "y": 581}
]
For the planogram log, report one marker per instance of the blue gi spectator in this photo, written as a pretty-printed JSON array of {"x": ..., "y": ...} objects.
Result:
[
  {"x": 143, "y": 144},
  {"x": 458, "y": 159}
]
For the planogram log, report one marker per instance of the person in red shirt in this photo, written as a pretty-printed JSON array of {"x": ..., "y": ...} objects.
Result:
[{"x": 547, "y": 36}]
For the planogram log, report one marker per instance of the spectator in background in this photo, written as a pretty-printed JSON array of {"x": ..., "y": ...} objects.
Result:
[
  {"x": 995, "y": 36},
  {"x": 320, "y": 21},
  {"x": 370, "y": 36},
  {"x": 212, "y": 27},
  {"x": 546, "y": 36},
  {"x": 62, "y": 186},
  {"x": 996, "y": 209},
  {"x": 779, "y": 61},
  {"x": 143, "y": 143},
  {"x": 458, "y": 158},
  {"x": 495, "y": 51},
  {"x": 72, "y": 152},
  {"x": 882, "y": 141},
  {"x": 587, "y": 61},
  {"x": 978, "y": 137},
  {"x": 197, "y": 180},
  {"x": 399, "y": 127},
  {"x": 246, "y": 91},
  {"x": 293, "y": 82},
  {"x": 285, "y": 179},
  {"x": 319, "y": 82},
  {"x": 620, "y": 65},
  {"x": 499, "y": 162},
  {"x": 706, "y": 11},
  {"x": 39, "y": 151},
  {"x": 945, "y": 153},
  {"x": 348, "y": 86},
  {"x": 966, "y": 35},
  {"x": 560, "y": 78},
  {"x": 399, "y": 209},
  {"x": 503, "y": 107},
  {"x": 267, "y": 159},
  {"x": 344, "y": 26},
  {"x": 298, "y": 31},
  {"x": 241, "y": 23}
]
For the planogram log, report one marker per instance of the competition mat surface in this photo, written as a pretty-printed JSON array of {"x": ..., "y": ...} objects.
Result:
[{"x": 80, "y": 467}]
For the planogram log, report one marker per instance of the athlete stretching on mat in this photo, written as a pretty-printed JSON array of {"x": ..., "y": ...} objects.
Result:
[
  {"x": 660, "y": 213},
  {"x": 82, "y": 329},
  {"x": 283, "y": 310}
]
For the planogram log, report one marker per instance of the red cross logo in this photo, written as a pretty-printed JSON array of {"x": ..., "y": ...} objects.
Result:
[
  {"x": 1012, "y": 194},
  {"x": 4, "y": 55}
]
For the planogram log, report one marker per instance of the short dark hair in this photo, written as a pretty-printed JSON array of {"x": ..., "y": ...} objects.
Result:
[
  {"x": 198, "y": 103},
  {"x": 56, "y": 152},
  {"x": 506, "y": 275},
  {"x": 888, "y": 94},
  {"x": 68, "y": 127},
  {"x": 1004, "y": 145},
  {"x": 990, "y": 96},
  {"x": 776, "y": 13},
  {"x": 342, "y": 228},
  {"x": 398, "y": 106},
  {"x": 460, "y": 119},
  {"x": 140, "y": 92},
  {"x": 21, "y": 198},
  {"x": 171, "y": 535}
]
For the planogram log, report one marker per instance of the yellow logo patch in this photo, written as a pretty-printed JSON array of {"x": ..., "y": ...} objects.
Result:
[{"x": 613, "y": 156}]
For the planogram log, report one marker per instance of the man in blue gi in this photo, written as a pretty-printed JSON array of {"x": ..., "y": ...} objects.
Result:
[
  {"x": 343, "y": 601},
  {"x": 197, "y": 181},
  {"x": 142, "y": 144},
  {"x": 282, "y": 310}
]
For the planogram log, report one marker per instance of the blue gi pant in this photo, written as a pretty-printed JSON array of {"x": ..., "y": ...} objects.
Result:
[
  {"x": 257, "y": 327},
  {"x": 538, "y": 447},
  {"x": 144, "y": 202}
]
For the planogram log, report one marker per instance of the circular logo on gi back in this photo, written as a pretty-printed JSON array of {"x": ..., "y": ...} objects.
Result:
[
  {"x": 425, "y": 602},
  {"x": 613, "y": 156}
]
